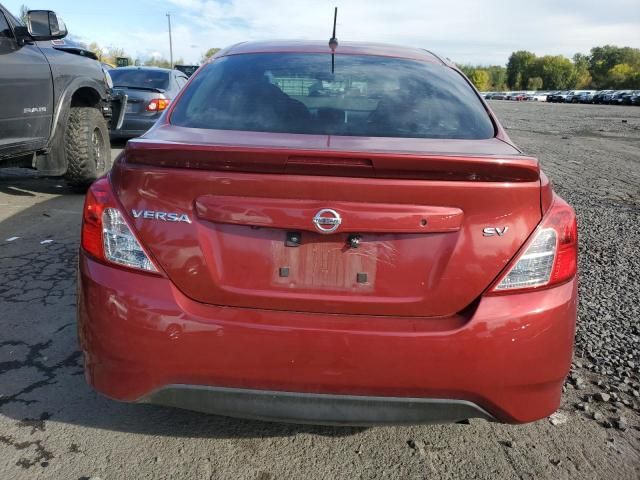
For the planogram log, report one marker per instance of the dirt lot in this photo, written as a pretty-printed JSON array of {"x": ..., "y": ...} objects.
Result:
[{"x": 53, "y": 426}]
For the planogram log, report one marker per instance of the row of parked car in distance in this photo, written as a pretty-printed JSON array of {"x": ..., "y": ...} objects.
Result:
[{"x": 607, "y": 97}]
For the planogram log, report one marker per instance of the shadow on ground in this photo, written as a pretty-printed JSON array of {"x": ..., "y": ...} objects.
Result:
[{"x": 41, "y": 374}]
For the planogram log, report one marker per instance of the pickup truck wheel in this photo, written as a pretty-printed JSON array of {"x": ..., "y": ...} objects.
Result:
[{"x": 87, "y": 148}]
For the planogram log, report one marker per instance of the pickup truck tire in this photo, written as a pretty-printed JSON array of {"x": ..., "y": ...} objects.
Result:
[{"x": 87, "y": 148}]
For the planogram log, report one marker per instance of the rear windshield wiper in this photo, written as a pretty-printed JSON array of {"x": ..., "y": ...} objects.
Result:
[{"x": 150, "y": 89}]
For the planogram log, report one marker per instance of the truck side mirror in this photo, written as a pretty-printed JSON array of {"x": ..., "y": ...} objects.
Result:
[{"x": 45, "y": 25}]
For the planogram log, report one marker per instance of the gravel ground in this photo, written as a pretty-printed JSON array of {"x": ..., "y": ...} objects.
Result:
[
  {"x": 592, "y": 154},
  {"x": 52, "y": 426}
]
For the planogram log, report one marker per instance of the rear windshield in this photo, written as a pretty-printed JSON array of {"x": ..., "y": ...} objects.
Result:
[
  {"x": 363, "y": 96},
  {"x": 156, "y": 79}
]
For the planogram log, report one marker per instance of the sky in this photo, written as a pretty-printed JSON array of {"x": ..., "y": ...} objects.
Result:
[{"x": 466, "y": 31}]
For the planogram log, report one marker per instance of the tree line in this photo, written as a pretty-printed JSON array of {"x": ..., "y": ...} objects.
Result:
[
  {"x": 607, "y": 67},
  {"x": 111, "y": 54}
]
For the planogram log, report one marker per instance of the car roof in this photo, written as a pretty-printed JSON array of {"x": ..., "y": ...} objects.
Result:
[
  {"x": 344, "y": 48},
  {"x": 142, "y": 67}
]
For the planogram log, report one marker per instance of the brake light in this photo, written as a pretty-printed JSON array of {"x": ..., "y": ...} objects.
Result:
[
  {"x": 157, "y": 105},
  {"x": 549, "y": 258},
  {"x": 106, "y": 234},
  {"x": 95, "y": 201}
]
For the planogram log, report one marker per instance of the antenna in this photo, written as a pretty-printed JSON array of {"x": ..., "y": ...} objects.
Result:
[{"x": 333, "y": 41}]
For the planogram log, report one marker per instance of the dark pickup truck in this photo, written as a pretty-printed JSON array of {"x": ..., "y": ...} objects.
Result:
[{"x": 54, "y": 101}]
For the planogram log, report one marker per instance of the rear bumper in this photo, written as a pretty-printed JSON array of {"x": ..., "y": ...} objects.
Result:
[
  {"x": 134, "y": 126},
  {"x": 144, "y": 341},
  {"x": 126, "y": 133},
  {"x": 314, "y": 408}
]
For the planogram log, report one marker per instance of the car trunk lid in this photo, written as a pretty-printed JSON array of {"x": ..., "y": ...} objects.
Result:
[
  {"x": 138, "y": 98},
  {"x": 410, "y": 239}
]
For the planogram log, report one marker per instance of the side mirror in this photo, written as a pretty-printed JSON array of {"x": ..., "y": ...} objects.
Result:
[{"x": 45, "y": 25}]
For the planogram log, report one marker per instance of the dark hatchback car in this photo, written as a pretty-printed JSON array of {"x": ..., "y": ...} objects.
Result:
[
  {"x": 146, "y": 93},
  {"x": 618, "y": 97},
  {"x": 599, "y": 97},
  {"x": 630, "y": 98}
]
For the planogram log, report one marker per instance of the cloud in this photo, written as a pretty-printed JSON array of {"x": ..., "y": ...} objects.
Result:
[
  {"x": 466, "y": 31},
  {"x": 187, "y": 45}
]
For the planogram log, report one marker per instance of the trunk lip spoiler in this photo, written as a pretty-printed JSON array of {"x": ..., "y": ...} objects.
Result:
[{"x": 383, "y": 164}]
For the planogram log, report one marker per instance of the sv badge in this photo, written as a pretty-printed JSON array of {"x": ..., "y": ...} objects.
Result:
[{"x": 493, "y": 231}]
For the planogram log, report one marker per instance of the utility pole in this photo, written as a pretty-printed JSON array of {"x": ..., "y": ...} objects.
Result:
[{"x": 170, "y": 41}]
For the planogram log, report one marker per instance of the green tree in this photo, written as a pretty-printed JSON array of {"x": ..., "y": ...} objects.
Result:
[
  {"x": 157, "y": 62},
  {"x": 112, "y": 55},
  {"x": 95, "y": 48},
  {"x": 534, "y": 83},
  {"x": 605, "y": 67},
  {"x": 162, "y": 62},
  {"x": 582, "y": 76},
  {"x": 518, "y": 68},
  {"x": 109, "y": 55},
  {"x": 498, "y": 76},
  {"x": 621, "y": 76},
  {"x": 603, "y": 59},
  {"x": 23, "y": 13},
  {"x": 208, "y": 54},
  {"x": 481, "y": 79},
  {"x": 582, "y": 79},
  {"x": 557, "y": 72}
]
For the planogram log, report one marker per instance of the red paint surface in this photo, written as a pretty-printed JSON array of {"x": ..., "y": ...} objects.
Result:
[
  {"x": 430, "y": 274},
  {"x": 358, "y": 216},
  {"x": 510, "y": 355},
  {"x": 220, "y": 313}
]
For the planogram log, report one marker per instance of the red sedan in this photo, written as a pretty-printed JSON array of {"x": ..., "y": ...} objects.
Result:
[{"x": 337, "y": 236}]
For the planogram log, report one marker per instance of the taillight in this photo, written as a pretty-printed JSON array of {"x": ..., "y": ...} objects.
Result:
[
  {"x": 549, "y": 258},
  {"x": 106, "y": 234},
  {"x": 157, "y": 105}
]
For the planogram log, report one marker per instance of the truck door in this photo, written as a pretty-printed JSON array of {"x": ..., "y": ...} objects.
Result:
[{"x": 26, "y": 93}]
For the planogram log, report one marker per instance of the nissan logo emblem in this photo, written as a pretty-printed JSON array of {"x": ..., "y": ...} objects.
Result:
[{"x": 327, "y": 220}]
